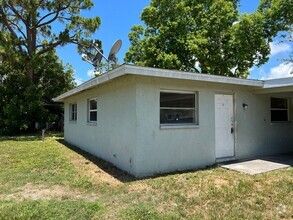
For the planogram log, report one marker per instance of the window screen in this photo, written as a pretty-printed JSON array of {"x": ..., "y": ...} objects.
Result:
[
  {"x": 178, "y": 108},
  {"x": 92, "y": 110},
  {"x": 73, "y": 112},
  {"x": 279, "y": 110}
]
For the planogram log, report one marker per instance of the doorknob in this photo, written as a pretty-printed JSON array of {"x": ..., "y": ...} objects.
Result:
[{"x": 232, "y": 130}]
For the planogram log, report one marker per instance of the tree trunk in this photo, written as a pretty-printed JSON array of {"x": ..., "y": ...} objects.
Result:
[{"x": 30, "y": 74}]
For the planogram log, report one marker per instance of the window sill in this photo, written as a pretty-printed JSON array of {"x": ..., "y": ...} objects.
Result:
[
  {"x": 179, "y": 126},
  {"x": 92, "y": 123},
  {"x": 72, "y": 122},
  {"x": 282, "y": 123}
]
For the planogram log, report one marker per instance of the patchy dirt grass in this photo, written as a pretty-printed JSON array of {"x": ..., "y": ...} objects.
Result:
[
  {"x": 41, "y": 180},
  {"x": 42, "y": 192},
  {"x": 94, "y": 172}
]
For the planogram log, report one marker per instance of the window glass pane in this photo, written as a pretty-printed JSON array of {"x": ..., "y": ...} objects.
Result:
[
  {"x": 93, "y": 116},
  {"x": 73, "y": 116},
  {"x": 177, "y": 100},
  {"x": 279, "y": 103},
  {"x": 93, "y": 104},
  {"x": 177, "y": 116},
  {"x": 73, "y": 112},
  {"x": 279, "y": 115}
]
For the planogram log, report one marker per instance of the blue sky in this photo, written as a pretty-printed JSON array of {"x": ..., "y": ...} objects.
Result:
[{"x": 119, "y": 16}]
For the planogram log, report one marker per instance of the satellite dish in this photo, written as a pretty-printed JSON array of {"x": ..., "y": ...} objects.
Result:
[
  {"x": 114, "y": 50},
  {"x": 98, "y": 58},
  {"x": 84, "y": 56}
]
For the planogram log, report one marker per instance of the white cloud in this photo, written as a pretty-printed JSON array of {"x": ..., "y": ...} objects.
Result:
[
  {"x": 277, "y": 48},
  {"x": 90, "y": 73},
  {"x": 251, "y": 69},
  {"x": 282, "y": 70},
  {"x": 261, "y": 74},
  {"x": 78, "y": 81}
]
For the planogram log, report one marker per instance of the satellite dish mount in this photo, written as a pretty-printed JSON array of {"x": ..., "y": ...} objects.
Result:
[{"x": 111, "y": 59}]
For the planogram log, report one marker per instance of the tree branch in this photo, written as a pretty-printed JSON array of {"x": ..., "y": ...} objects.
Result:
[
  {"x": 48, "y": 22},
  {"x": 18, "y": 28},
  {"x": 49, "y": 47},
  {"x": 39, "y": 24},
  {"x": 16, "y": 13},
  {"x": 64, "y": 18},
  {"x": 8, "y": 26},
  {"x": 6, "y": 23}
]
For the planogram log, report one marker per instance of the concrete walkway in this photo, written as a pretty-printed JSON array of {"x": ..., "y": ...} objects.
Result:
[{"x": 262, "y": 164}]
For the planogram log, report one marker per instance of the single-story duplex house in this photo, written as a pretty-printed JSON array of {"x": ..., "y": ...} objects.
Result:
[{"x": 149, "y": 121}]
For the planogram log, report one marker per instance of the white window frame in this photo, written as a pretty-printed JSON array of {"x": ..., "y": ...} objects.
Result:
[
  {"x": 92, "y": 110},
  {"x": 196, "y": 108},
  {"x": 73, "y": 112},
  {"x": 280, "y": 109}
]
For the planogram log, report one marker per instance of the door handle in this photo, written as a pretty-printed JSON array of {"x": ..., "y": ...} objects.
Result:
[{"x": 232, "y": 130}]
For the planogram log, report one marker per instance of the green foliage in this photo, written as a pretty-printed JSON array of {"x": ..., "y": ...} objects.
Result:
[
  {"x": 23, "y": 103},
  {"x": 207, "y": 36},
  {"x": 278, "y": 15},
  {"x": 31, "y": 74},
  {"x": 26, "y": 27}
]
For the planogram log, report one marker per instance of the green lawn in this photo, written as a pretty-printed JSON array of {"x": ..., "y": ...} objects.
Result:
[{"x": 53, "y": 180}]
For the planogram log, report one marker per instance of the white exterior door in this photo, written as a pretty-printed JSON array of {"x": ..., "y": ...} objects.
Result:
[{"x": 224, "y": 125}]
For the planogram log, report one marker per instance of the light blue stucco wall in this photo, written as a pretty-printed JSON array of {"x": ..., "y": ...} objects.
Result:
[
  {"x": 128, "y": 132},
  {"x": 256, "y": 135},
  {"x": 162, "y": 149},
  {"x": 112, "y": 138}
]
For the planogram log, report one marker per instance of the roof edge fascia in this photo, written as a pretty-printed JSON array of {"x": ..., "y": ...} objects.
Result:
[
  {"x": 155, "y": 72},
  {"x": 177, "y": 74},
  {"x": 279, "y": 82}
]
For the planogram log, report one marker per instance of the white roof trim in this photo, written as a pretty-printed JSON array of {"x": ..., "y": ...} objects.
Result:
[
  {"x": 176, "y": 74},
  {"x": 155, "y": 72},
  {"x": 281, "y": 82},
  {"x": 276, "y": 86},
  {"x": 281, "y": 89}
]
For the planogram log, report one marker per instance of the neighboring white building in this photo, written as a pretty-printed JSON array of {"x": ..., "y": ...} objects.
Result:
[{"x": 148, "y": 121}]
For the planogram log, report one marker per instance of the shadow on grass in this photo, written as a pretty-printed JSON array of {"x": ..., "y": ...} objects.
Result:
[
  {"x": 102, "y": 164},
  {"x": 122, "y": 175}
]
